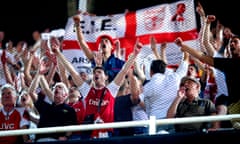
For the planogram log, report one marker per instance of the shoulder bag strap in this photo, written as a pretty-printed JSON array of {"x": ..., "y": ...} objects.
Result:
[{"x": 101, "y": 99}]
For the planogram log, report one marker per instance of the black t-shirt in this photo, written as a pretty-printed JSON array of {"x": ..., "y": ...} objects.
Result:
[
  {"x": 231, "y": 68},
  {"x": 52, "y": 115},
  {"x": 123, "y": 112},
  {"x": 122, "y": 108}
]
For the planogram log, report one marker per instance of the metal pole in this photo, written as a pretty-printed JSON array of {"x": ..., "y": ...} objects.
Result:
[
  {"x": 82, "y": 5},
  {"x": 152, "y": 125}
]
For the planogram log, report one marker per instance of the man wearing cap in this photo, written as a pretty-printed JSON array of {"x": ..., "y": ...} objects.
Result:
[
  {"x": 188, "y": 104},
  {"x": 111, "y": 63},
  {"x": 226, "y": 65}
]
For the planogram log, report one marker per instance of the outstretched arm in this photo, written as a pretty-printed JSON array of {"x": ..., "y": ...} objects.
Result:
[
  {"x": 163, "y": 52},
  {"x": 194, "y": 52},
  {"x": 132, "y": 57},
  {"x": 33, "y": 86},
  {"x": 139, "y": 71},
  {"x": 84, "y": 46},
  {"x": 162, "y": 49},
  {"x": 203, "y": 28},
  {"x": 40, "y": 80},
  {"x": 154, "y": 47},
  {"x": 134, "y": 87},
  {"x": 76, "y": 77},
  {"x": 27, "y": 68},
  {"x": 6, "y": 69},
  {"x": 208, "y": 36}
]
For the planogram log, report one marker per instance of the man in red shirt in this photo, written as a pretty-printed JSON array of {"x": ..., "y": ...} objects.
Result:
[
  {"x": 11, "y": 118},
  {"x": 99, "y": 98}
]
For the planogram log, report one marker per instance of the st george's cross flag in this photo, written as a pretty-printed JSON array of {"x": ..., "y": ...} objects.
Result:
[{"x": 159, "y": 21}]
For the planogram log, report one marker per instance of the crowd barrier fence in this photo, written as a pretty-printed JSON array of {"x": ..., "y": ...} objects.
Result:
[{"x": 151, "y": 124}]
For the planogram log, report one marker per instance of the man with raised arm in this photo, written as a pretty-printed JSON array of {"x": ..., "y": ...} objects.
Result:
[
  {"x": 110, "y": 62},
  {"x": 100, "y": 97},
  {"x": 230, "y": 66}
]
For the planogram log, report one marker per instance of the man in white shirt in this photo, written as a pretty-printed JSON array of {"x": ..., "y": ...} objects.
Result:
[{"x": 161, "y": 90}]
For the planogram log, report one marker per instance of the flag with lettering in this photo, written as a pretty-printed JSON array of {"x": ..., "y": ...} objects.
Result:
[{"x": 165, "y": 22}]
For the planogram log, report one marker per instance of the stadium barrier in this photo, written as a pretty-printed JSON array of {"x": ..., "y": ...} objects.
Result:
[{"x": 151, "y": 123}]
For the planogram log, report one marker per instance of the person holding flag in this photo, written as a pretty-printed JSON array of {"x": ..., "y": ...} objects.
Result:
[{"x": 111, "y": 63}]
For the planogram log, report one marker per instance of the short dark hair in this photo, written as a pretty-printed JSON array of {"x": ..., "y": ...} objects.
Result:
[
  {"x": 195, "y": 66},
  {"x": 158, "y": 66},
  {"x": 104, "y": 37},
  {"x": 100, "y": 68}
]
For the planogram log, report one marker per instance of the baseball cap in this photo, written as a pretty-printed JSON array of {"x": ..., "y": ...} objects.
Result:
[{"x": 186, "y": 78}]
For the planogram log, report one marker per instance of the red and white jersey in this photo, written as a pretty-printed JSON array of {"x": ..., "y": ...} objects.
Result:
[
  {"x": 92, "y": 101},
  {"x": 79, "y": 109},
  {"x": 92, "y": 98},
  {"x": 11, "y": 121}
]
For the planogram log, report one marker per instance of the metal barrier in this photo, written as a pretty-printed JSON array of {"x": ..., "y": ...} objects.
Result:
[{"x": 151, "y": 123}]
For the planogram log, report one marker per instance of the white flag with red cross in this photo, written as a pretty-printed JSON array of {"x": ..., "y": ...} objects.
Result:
[{"x": 165, "y": 22}]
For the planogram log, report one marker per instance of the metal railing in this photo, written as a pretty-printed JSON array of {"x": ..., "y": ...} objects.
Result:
[{"x": 151, "y": 123}]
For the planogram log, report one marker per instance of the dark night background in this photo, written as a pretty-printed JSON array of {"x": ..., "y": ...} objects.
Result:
[{"x": 20, "y": 18}]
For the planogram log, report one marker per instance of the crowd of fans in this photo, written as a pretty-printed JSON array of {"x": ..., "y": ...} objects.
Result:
[{"x": 40, "y": 88}]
